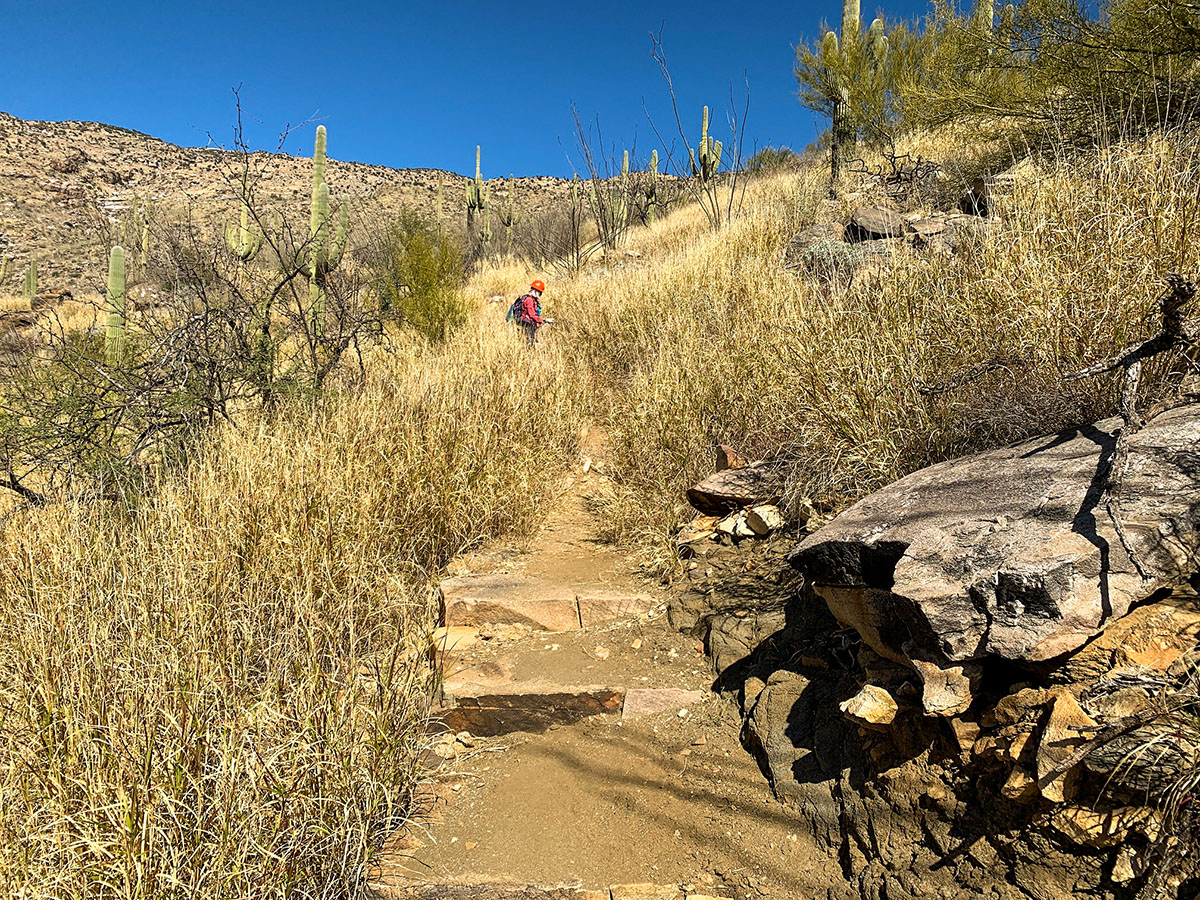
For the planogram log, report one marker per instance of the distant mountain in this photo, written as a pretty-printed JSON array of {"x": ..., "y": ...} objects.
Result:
[{"x": 66, "y": 186}]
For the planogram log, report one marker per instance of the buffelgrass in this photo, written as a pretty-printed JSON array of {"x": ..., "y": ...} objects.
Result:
[
  {"x": 707, "y": 338},
  {"x": 222, "y": 692}
]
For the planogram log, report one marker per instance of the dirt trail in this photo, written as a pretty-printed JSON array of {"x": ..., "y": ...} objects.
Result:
[{"x": 611, "y": 771}]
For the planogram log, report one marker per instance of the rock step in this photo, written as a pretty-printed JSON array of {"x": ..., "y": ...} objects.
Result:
[
  {"x": 490, "y": 688},
  {"x": 536, "y": 892},
  {"x": 509, "y": 599}
]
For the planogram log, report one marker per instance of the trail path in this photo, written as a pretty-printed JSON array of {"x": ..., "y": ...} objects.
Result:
[{"x": 585, "y": 757}]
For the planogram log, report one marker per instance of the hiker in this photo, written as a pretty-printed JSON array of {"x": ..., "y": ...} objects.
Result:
[{"x": 526, "y": 311}]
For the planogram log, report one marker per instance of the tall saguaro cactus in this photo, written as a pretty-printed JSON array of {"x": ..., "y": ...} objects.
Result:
[
  {"x": 30, "y": 292},
  {"x": 985, "y": 15},
  {"x": 5, "y": 269},
  {"x": 650, "y": 189},
  {"x": 838, "y": 51},
  {"x": 326, "y": 242},
  {"x": 114, "y": 332},
  {"x": 706, "y": 158},
  {"x": 851, "y": 63},
  {"x": 510, "y": 215},
  {"x": 478, "y": 197}
]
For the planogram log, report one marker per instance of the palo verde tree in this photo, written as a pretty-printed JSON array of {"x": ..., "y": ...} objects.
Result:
[
  {"x": 852, "y": 76},
  {"x": 1051, "y": 69}
]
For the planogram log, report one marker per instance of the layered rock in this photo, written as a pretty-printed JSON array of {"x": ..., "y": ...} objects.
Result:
[
  {"x": 966, "y": 688},
  {"x": 1012, "y": 554}
]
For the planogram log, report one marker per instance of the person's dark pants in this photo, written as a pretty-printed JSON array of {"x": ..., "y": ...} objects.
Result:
[{"x": 530, "y": 332}]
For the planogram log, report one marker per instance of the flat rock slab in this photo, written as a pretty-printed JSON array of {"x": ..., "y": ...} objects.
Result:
[
  {"x": 496, "y": 687},
  {"x": 508, "y": 599},
  {"x": 1012, "y": 553},
  {"x": 530, "y": 708},
  {"x": 601, "y": 607},
  {"x": 649, "y": 701}
]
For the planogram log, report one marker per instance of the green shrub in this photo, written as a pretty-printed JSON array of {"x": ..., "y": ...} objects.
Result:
[
  {"x": 417, "y": 273},
  {"x": 772, "y": 159}
]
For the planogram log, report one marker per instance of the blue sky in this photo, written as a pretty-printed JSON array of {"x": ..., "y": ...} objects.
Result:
[{"x": 411, "y": 84}]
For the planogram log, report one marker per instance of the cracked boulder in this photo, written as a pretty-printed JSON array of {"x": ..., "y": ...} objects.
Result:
[{"x": 1012, "y": 553}]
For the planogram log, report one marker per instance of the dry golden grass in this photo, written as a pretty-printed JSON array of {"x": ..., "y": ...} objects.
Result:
[
  {"x": 13, "y": 304},
  {"x": 222, "y": 693},
  {"x": 706, "y": 338}
]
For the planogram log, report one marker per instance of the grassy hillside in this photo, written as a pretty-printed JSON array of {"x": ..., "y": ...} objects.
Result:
[{"x": 706, "y": 338}]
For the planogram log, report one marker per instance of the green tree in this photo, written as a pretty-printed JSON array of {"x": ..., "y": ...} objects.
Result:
[
  {"x": 417, "y": 273},
  {"x": 1055, "y": 68}
]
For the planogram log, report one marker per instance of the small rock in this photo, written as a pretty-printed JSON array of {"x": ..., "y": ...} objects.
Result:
[
  {"x": 728, "y": 525},
  {"x": 728, "y": 458},
  {"x": 947, "y": 691},
  {"x": 700, "y": 741},
  {"x": 1119, "y": 704},
  {"x": 637, "y": 644},
  {"x": 874, "y": 223},
  {"x": 872, "y": 706},
  {"x": 602, "y": 653},
  {"x": 764, "y": 520},
  {"x": 1066, "y": 731},
  {"x": 742, "y": 529},
  {"x": 1089, "y": 828},
  {"x": 1020, "y": 786},
  {"x": 471, "y": 845}
]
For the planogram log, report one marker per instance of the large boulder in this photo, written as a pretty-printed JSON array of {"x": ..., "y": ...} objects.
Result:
[{"x": 1012, "y": 553}]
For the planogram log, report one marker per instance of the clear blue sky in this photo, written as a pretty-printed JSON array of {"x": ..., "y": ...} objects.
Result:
[{"x": 411, "y": 84}]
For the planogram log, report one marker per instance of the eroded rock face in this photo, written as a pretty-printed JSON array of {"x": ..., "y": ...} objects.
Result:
[{"x": 1011, "y": 553}]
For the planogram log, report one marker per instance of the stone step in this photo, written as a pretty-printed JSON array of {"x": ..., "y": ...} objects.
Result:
[
  {"x": 451, "y": 891},
  {"x": 512, "y": 599},
  {"x": 490, "y": 688}
]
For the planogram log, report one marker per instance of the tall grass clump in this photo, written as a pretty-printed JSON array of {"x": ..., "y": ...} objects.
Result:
[
  {"x": 222, "y": 693},
  {"x": 709, "y": 339}
]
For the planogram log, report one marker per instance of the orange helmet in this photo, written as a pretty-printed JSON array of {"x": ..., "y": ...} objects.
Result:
[{"x": 538, "y": 286}]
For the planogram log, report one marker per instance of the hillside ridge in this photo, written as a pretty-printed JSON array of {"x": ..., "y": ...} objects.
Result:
[{"x": 66, "y": 187}]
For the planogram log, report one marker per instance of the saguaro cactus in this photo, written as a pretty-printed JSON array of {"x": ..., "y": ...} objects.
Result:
[
  {"x": 326, "y": 243},
  {"x": 114, "y": 332},
  {"x": 5, "y": 269},
  {"x": 510, "y": 215},
  {"x": 30, "y": 292},
  {"x": 850, "y": 61},
  {"x": 650, "y": 188},
  {"x": 706, "y": 158},
  {"x": 478, "y": 197},
  {"x": 985, "y": 15},
  {"x": 245, "y": 239}
]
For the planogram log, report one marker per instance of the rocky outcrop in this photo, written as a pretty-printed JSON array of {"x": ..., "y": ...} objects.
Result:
[
  {"x": 965, "y": 686},
  {"x": 1012, "y": 554}
]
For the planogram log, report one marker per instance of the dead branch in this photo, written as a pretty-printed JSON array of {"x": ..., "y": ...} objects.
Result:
[{"x": 1175, "y": 334}]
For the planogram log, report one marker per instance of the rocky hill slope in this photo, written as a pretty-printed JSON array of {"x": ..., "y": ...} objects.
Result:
[{"x": 65, "y": 187}]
